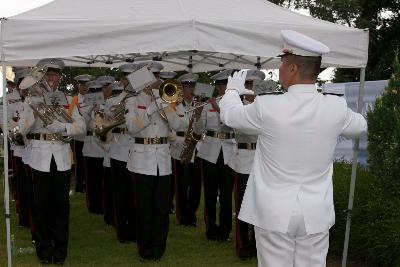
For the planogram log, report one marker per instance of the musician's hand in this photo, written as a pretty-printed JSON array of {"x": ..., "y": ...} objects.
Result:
[
  {"x": 214, "y": 103},
  {"x": 197, "y": 112},
  {"x": 56, "y": 127}
]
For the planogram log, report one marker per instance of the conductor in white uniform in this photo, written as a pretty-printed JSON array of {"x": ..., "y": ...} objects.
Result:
[{"x": 289, "y": 196}]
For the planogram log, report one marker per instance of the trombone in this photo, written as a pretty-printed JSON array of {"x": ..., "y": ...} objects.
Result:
[{"x": 170, "y": 91}]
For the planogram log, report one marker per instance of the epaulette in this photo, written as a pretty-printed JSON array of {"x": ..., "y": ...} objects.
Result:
[
  {"x": 271, "y": 93},
  {"x": 333, "y": 94}
]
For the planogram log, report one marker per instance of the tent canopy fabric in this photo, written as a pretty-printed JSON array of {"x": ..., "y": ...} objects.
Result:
[{"x": 208, "y": 34}]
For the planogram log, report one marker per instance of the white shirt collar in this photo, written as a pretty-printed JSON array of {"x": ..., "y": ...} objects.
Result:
[{"x": 302, "y": 88}]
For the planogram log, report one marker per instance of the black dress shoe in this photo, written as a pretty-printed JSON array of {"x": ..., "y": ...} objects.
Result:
[
  {"x": 58, "y": 262},
  {"x": 146, "y": 254},
  {"x": 45, "y": 261},
  {"x": 212, "y": 234},
  {"x": 158, "y": 252},
  {"x": 244, "y": 253}
]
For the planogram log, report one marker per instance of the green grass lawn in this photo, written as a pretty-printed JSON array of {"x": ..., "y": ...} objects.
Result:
[{"x": 93, "y": 243}]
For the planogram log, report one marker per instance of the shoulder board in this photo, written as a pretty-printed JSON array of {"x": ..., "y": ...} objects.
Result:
[
  {"x": 271, "y": 93},
  {"x": 333, "y": 94}
]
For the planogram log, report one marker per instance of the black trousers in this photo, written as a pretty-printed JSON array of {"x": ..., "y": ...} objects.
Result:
[
  {"x": 188, "y": 191},
  {"x": 51, "y": 199},
  {"x": 94, "y": 184},
  {"x": 245, "y": 238},
  {"x": 80, "y": 175},
  {"x": 31, "y": 200},
  {"x": 152, "y": 195},
  {"x": 22, "y": 186},
  {"x": 218, "y": 181},
  {"x": 108, "y": 199},
  {"x": 124, "y": 201}
]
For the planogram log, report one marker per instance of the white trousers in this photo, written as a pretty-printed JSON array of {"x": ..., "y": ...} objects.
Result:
[{"x": 294, "y": 248}]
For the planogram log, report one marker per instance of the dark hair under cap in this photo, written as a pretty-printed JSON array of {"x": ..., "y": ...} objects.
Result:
[
  {"x": 191, "y": 83},
  {"x": 54, "y": 70},
  {"x": 221, "y": 82}
]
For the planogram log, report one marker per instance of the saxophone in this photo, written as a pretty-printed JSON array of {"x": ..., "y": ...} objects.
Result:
[{"x": 191, "y": 140}]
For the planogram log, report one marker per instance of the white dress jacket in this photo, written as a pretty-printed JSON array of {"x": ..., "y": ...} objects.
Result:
[{"x": 298, "y": 133}]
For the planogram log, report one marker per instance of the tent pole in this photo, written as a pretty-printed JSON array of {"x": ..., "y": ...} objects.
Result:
[
  {"x": 353, "y": 171},
  {"x": 5, "y": 151},
  {"x": 190, "y": 65},
  {"x": 258, "y": 64}
]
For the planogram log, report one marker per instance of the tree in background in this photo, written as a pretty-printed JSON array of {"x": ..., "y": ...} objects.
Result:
[
  {"x": 384, "y": 134},
  {"x": 382, "y": 18},
  {"x": 67, "y": 83}
]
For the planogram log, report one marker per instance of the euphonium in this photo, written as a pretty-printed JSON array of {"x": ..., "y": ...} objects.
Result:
[
  {"x": 46, "y": 113},
  {"x": 35, "y": 82},
  {"x": 49, "y": 114},
  {"x": 103, "y": 124}
]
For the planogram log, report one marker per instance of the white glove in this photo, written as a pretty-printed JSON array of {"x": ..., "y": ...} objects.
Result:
[
  {"x": 155, "y": 106},
  {"x": 56, "y": 127},
  {"x": 236, "y": 82},
  {"x": 247, "y": 92}
]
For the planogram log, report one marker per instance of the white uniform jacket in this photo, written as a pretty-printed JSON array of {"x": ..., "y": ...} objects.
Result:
[
  {"x": 178, "y": 144},
  {"x": 211, "y": 146},
  {"x": 91, "y": 146},
  {"x": 14, "y": 109},
  {"x": 120, "y": 143},
  {"x": 146, "y": 159},
  {"x": 242, "y": 159},
  {"x": 41, "y": 151},
  {"x": 85, "y": 110},
  {"x": 298, "y": 132}
]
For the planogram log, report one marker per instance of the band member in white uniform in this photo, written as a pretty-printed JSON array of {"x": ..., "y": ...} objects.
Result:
[
  {"x": 188, "y": 176},
  {"x": 19, "y": 181},
  {"x": 215, "y": 152},
  {"x": 150, "y": 163},
  {"x": 289, "y": 196},
  {"x": 163, "y": 76},
  {"x": 50, "y": 160},
  {"x": 80, "y": 176},
  {"x": 122, "y": 184},
  {"x": 108, "y": 195},
  {"x": 93, "y": 153}
]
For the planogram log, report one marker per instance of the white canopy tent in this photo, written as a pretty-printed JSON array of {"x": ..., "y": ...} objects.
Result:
[
  {"x": 183, "y": 35},
  {"x": 217, "y": 34}
]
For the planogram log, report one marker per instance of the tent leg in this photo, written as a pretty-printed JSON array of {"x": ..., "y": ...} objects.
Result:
[
  {"x": 353, "y": 171},
  {"x": 5, "y": 152}
]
